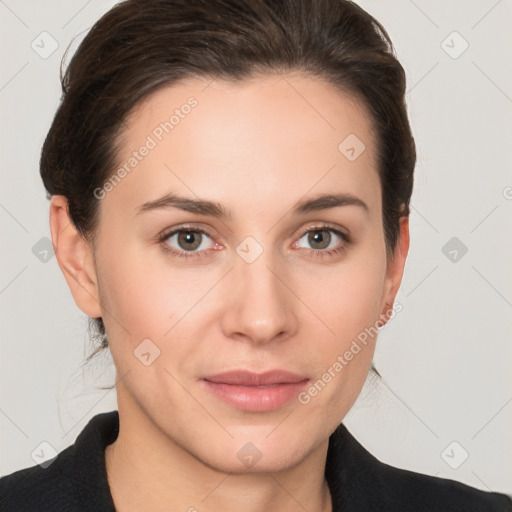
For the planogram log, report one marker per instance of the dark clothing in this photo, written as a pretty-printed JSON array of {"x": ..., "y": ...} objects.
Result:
[{"x": 76, "y": 480}]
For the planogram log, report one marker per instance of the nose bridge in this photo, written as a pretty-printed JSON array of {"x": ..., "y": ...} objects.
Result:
[{"x": 259, "y": 307}]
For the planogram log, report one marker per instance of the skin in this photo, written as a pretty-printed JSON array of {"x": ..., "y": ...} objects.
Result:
[{"x": 293, "y": 308}]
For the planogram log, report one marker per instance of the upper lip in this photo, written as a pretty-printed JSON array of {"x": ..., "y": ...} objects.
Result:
[{"x": 247, "y": 378}]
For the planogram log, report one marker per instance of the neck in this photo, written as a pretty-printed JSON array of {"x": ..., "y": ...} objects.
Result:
[{"x": 147, "y": 470}]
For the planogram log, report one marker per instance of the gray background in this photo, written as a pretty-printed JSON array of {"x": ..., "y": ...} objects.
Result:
[{"x": 445, "y": 359}]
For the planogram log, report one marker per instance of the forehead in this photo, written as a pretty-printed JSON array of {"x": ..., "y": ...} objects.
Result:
[{"x": 269, "y": 138}]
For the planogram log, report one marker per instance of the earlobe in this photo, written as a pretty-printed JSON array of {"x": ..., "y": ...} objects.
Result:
[
  {"x": 75, "y": 258},
  {"x": 395, "y": 270}
]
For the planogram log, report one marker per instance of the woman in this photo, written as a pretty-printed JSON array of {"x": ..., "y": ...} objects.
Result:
[{"x": 230, "y": 186}]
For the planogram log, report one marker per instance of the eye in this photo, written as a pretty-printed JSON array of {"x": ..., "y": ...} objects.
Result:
[
  {"x": 324, "y": 240},
  {"x": 187, "y": 242}
]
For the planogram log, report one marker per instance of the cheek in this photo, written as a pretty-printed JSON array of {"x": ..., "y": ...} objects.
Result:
[
  {"x": 147, "y": 298},
  {"x": 348, "y": 298},
  {"x": 349, "y": 305},
  {"x": 138, "y": 300}
]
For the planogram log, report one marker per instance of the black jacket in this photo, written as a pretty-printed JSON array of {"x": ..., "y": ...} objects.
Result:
[{"x": 76, "y": 480}]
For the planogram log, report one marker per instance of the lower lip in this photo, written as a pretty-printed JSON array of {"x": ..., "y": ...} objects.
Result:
[{"x": 253, "y": 398}]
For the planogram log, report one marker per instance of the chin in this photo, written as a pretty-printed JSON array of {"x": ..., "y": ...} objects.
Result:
[{"x": 255, "y": 452}]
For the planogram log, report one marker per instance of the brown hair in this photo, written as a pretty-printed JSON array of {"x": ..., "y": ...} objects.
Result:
[{"x": 140, "y": 46}]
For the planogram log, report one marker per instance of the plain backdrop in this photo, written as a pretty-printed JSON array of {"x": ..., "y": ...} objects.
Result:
[{"x": 444, "y": 404}]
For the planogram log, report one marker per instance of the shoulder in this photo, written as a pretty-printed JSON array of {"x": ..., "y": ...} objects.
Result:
[
  {"x": 38, "y": 488},
  {"x": 73, "y": 481},
  {"x": 403, "y": 489},
  {"x": 359, "y": 481}
]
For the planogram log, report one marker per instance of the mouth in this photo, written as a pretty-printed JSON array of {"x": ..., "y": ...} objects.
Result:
[{"x": 249, "y": 391}]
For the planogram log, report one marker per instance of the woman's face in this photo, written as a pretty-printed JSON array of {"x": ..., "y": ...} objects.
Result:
[{"x": 277, "y": 282}]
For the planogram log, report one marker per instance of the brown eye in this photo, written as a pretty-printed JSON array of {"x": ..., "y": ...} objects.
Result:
[
  {"x": 323, "y": 242},
  {"x": 189, "y": 240},
  {"x": 319, "y": 239}
]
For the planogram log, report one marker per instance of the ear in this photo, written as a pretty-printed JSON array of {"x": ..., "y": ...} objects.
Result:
[
  {"x": 395, "y": 270},
  {"x": 75, "y": 257}
]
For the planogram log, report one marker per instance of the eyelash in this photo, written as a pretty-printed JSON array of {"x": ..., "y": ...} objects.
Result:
[{"x": 201, "y": 254}]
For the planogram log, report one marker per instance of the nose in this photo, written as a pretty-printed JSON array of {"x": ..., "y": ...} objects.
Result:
[{"x": 260, "y": 305}]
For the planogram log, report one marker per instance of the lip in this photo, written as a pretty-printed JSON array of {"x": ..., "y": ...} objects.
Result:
[{"x": 256, "y": 392}]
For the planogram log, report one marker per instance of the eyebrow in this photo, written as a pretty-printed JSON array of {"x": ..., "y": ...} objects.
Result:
[{"x": 213, "y": 209}]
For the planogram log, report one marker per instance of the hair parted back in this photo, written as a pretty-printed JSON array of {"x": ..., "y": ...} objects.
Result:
[{"x": 140, "y": 46}]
